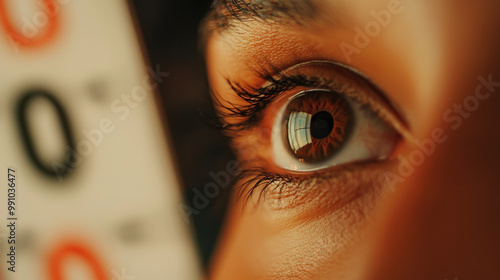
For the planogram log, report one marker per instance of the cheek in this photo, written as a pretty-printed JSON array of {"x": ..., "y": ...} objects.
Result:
[{"x": 300, "y": 236}]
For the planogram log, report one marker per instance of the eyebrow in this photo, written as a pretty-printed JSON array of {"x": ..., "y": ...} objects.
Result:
[
  {"x": 225, "y": 14},
  {"x": 229, "y": 11}
]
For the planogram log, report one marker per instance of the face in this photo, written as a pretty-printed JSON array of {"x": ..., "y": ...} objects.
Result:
[{"x": 367, "y": 138}]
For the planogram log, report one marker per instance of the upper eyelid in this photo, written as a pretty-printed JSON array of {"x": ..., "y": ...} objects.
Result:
[
  {"x": 378, "y": 102},
  {"x": 362, "y": 75}
]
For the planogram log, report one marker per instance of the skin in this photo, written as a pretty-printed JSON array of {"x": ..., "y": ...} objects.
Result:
[{"x": 440, "y": 222}]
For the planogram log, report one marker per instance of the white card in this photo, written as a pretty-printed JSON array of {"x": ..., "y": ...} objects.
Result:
[{"x": 96, "y": 192}]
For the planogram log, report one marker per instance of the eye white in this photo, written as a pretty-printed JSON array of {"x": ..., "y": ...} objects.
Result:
[{"x": 371, "y": 138}]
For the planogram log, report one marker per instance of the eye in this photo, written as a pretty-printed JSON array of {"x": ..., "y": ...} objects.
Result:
[
  {"x": 319, "y": 128},
  {"x": 317, "y": 123}
]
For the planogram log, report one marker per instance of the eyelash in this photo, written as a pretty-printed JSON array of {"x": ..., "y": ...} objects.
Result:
[
  {"x": 250, "y": 180},
  {"x": 258, "y": 99},
  {"x": 256, "y": 178}
]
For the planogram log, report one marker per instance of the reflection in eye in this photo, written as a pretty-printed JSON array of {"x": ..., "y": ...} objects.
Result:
[
  {"x": 318, "y": 125},
  {"x": 320, "y": 128}
]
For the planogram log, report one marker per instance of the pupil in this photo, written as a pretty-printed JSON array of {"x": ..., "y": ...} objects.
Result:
[{"x": 321, "y": 125}]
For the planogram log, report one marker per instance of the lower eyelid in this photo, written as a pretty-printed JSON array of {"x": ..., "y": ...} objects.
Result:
[{"x": 324, "y": 191}]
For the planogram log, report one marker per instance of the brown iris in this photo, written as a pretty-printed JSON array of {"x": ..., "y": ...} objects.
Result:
[{"x": 318, "y": 123}]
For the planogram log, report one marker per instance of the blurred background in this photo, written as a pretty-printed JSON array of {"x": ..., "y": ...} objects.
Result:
[
  {"x": 85, "y": 147},
  {"x": 170, "y": 32}
]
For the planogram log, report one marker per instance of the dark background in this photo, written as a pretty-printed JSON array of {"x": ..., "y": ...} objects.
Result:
[{"x": 170, "y": 32}]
